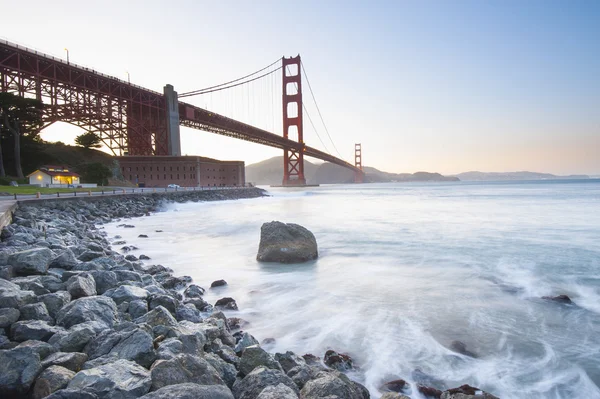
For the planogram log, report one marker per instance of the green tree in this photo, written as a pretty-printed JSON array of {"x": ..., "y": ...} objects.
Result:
[
  {"x": 96, "y": 173},
  {"x": 88, "y": 140},
  {"x": 19, "y": 116}
]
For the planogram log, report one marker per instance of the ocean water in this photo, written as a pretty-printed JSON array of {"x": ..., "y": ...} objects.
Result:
[{"x": 404, "y": 270}]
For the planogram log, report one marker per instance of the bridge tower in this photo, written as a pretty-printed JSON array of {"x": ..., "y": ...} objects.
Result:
[
  {"x": 293, "y": 158},
  {"x": 358, "y": 176}
]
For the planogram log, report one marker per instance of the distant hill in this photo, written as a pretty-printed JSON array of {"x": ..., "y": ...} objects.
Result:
[
  {"x": 269, "y": 172},
  {"x": 498, "y": 176}
]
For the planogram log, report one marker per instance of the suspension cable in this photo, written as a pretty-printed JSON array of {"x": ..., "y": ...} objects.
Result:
[
  {"x": 319, "y": 111},
  {"x": 200, "y": 91}
]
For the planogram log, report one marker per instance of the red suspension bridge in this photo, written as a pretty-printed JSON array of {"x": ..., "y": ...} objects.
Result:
[{"x": 134, "y": 120}]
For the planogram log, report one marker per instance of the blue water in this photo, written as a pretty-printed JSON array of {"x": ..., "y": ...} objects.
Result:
[{"x": 404, "y": 270}]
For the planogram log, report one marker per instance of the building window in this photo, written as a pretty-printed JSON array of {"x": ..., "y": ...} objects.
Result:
[
  {"x": 177, "y": 176},
  {"x": 171, "y": 177},
  {"x": 157, "y": 177},
  {"x": 130, "y": 169},
  {"x": 184, "y": 176},
  {"x": 150, "y": 177},
  {"x": 184, "y": 168},
  {"x": 165, "y": 176}
]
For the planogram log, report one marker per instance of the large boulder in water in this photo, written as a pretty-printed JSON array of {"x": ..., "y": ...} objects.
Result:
[{"x": 286, "y": 243}]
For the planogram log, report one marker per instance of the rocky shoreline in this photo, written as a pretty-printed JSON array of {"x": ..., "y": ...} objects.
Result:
[{"x": 81, "y": 319}]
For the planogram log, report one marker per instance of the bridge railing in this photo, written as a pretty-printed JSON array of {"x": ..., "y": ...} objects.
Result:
[{"x": 71, "y": 64}]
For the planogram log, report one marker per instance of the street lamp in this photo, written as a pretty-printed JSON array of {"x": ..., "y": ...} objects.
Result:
[{"x": 67, "y": 50}]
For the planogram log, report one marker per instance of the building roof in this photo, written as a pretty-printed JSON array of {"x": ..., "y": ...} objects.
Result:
[{"x": 52, "y": 173}]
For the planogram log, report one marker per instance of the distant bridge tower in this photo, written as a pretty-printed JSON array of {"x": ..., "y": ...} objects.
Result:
[
  {"x": 293, "y": 158},
  {"x": 358, "y": 176}
]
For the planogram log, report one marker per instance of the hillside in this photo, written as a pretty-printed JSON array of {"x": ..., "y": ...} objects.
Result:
[
  {"x": 269, "y": 172},
  {"x": 524, "y": 175}
]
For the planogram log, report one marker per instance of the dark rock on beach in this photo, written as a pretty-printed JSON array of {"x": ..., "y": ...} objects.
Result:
[
  {"x": 337, "y": 361},
  {"x": 286, "y": 243},
  {"x": 559, "y": 298},
  {"x": 218, "y": 283}
]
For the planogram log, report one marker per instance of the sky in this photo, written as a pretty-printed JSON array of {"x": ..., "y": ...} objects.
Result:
[{"x": 442, "y": 86}]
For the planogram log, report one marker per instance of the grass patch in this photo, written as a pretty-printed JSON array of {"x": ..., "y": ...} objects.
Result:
[{"x": 46, "y": 190}]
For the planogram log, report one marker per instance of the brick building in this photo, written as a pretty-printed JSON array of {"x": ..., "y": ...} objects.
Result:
[{"x": 186, "y": 171}]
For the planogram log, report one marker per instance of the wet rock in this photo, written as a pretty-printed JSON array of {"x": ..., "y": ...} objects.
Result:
[
  {"x": 158, "y": 316},
  {"x": 51, "y": 380},
  {"x": 245, "y": 341},
  {"x": 165, "y": 301},
  {"x": 18, "y": 369},
  {"x": 200, "y": 304},
  {"x": 144, "y": 257},
  {"x": 429, "y": 392},
  {"x": 235, "y": 323},
  {"x": 72, "y": 360},
  {"x": 226, "y": 304},
  {"x": 81, "y": 285},
  {"x": 168, "y": 349},
  {"x": 286, "y": 243},
  {"x": 55, "y": 301},
  {"x": 130, "y": 344},
  {"x": 190, "y": 391},
  {"x": 226, "y": 371},
  {"x": 32, "y": 330},
  {"x": 218, "y": 283},
  {"x": 289, "y": 360},
  {"x": 127, "y": 293},
  {"x": 31, "y": 261},
  {"x": 312, "y": 360},
  {"x": 121, "y": 379},
  {"x": 43, "y": 349},
  {"x": 138, "y": 308},
  {"x": 280, "y": 391},
  {"x": 65, "y": 260},
  {"x": 559, "y": 298},
  {"x": 393, "y": 395},
  {"x": 40, "y": 285},
  {"x": 78, "y": 336},
  {"x": 333, "y": 384},
  {"x": 8, "y": 316},
  {"x": 301, "y": 375},
  {"x": 337, "y": 361},
  {"x": 142, "y": 236},
  {"x": 36, "y": 311},
  {"x": 131, "y": 258},
  {"x": 193, "y": 291},
  {"x": 188, "y": 312},
  {"x": 94, "y": 308},
  {"x": 90, "y": 255},
  {"x": 72, "y": 394},
  {"x": 105, "y": 280},
  {"x": 466, "y": 392},
  {"x": 176, "y": 283},
  {"x": 184, "y": 368},
  {"x": 398, "y": 385},
  {"x": 254, "y": 356},
  {"x": 261, "y": 377},
  {"x": 11, "y": 295},
  {"x": 461, "y": 347}
]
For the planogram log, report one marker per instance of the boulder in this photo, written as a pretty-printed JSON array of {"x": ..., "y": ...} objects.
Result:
[
  {"x": 105, "y": 280},
  {"x": 8, "y": 316},
  {"x": 72, "y": 394},
  {"x": 226, "y": 304},
  {"x": 32, "y": 330},
  {"x": 137, "y": 308},
  {"x": 31, "y": 261},
  {"x": 184, "y": 368},
  {"x": 130, "y": 344},
  {"x": 226, "y": 371},
  {"x": 122, "y": 379},
  {"x": 165, "y": 301},
  {"x": 398, "y": 385},
  {"x": 72, "y": 361},
  {"x": 255, "y": 356},
  {"x": 334, "y": 384},
  {"x": 11, "y": 295},
  {"x": 81, "y": 285},
  {"x": 52, "y": 379},
  {"x": 461, "y": 347},
  {"x": 193, "y": 291},
  {"x": 289, "y": 360},
  {"x": 218, "y": 283},
  {"x": 190, "y": 391},
  {"x": 559, "y": 298},
  {"x": 55, "y": 301},
  {"x": 78, "y": 336},
  {"x": 301, "y": 375},
  {"x": 128, "y": 293},
  {"x": 429, "y": 392},
  {"x": 337, "y": 361},
  {"x": 466, "y": 392},
  {"x": 280, "y": 391},
  {"x": 245, "y": 341},
  {"x": 93, "y": 308},
  {"x": 261, "y": 377},
  {"x": 286, "y": 243},
  {"x": 36, "y": 311},
  {"x": 393, "y": 395},
  {"x": 40, "y": 285},
  {"x": 158, "y": 316},
  {"x": 44, "y": 349},
  {"x": 66, "y": 260},
  {"x": 18, "y": 369}
]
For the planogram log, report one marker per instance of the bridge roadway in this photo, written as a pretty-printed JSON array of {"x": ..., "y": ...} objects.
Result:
[{"x": 27, "y": 71}]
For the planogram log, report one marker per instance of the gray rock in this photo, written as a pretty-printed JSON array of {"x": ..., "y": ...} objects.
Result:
[
  {"x": 169, "y": 348},
  {"x": 55, "y": 301},
  {"x": 188, "y": 312},
  {"x": 69, "y": 360},
  {"x": 94, "y": 308},
  {"x": 466, "y": 392},
  {"x": 11, "y": 295},
  {"x": 166, "y": 301},
  {"x": 393, "y": 395},
  {"x": 158, "y": 316},
  {"x": 226, "y": 304},
  {"x": 36, "y": 311},
  {"x": 138, "y": 308},
  {"x": 66, "y": 260},
  {"x": 254, "y": 383},
  {"x": 122, "y": 379},
  {"x": 289, "y": 360},
  {"x": 8, "y": 316},
  {"x": 199, "y": 303},
  {"x": 31, "y": 261},
  {"x": 72, "y": 394},
  {"x": 51, "y": 380},
  {"x": 218, "y": 283},
  {"x": 105, "y": 280},
  {"x": 18, "y": 369},
  {"x": 301, "y": 375},
  {"x": 193, "y": 291},
  {"x": 246, "y": 341},
  {"x": 226, "y": 371},
  {"x": 184, "y": 368},
  {"x": 78, "y": 336},
  {"x": 81, "y": 285},
  {"x": 90, "y": 255},
  {"x": 280, "y": 391},
  {"x": 43, "y": 349},
  {"x": 128, "y": 293},
  {"x": 190, "y": 391},
  {"x": 337, "y": 361},
  {"x": 40, "y": 285},
  {"x": 286, "y": 243},
  {"x": 255, "y": 356},
  {"x": 130, "y": 344},
  {"x": 334, "y": 384},
  {"x": 32, "y": 330}
]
